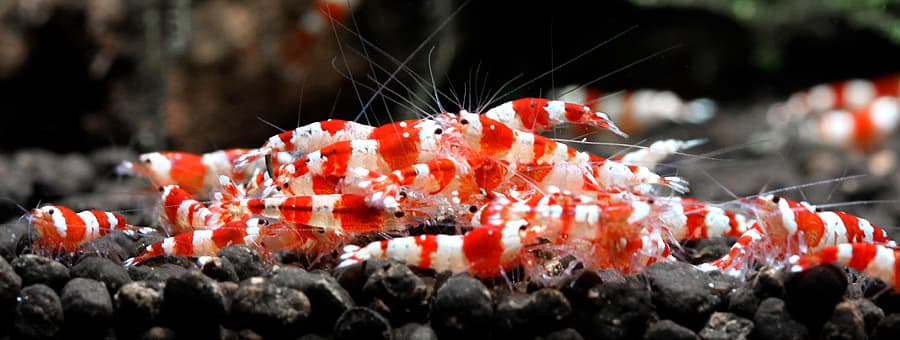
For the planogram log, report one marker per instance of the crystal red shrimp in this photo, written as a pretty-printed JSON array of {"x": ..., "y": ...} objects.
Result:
[
  {"x": 198, "y": 174},
  {"x": 704, "y": 221},
  {"x": 848, "y": 94},
  {"x": 540, "y": 114},
  {"x": 62, "y": 228},
  {"x": 493, "y": 139},
  {"x": 876, "y": 260},
  {"x": 784, "y": 228},
  {"x": 650, "y": 156},
  {"x": 342, "y": 212},
  {"x": 182, "y": 213},
  {"x": 863, "y": 128},
  {"x": 307, "y": 138},
  {"x": 602, "y": 237},
  {"x": 642, "y": 109},
  {"x": 203, "y": 242}
]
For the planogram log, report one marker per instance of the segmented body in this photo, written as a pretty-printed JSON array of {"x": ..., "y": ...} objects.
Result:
[{"x": 517, "y": 198}]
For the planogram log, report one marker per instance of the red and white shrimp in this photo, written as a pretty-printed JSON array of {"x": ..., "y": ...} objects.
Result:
[
  {"x": 540, "y": 114},
  {"x": 198, "y": 174},
  {"x": 849, "y": 94},
  {"x": 203, "y": 242},
  {"x": 876, "y": 260},
  {"x": 862, "y": 128},
  {"x": 341, "y": 212},
  {"x": 62, "y": 228},
  {"x": 785, "y": 228},
  {"x": 639, "y": 110},
  {"x": 182, "y": 213}
]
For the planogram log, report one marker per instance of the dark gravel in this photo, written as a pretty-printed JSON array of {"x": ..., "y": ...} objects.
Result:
[
  {"x": 38, "y": 269},
  {"x": 39, "y": 313},
  {"x": 87, "y": 307},
  {"x": 246, "y": 261},
  {"x": 328, "y": 298},
  {"x": 138, "y": 306},
  {"x": 397, "y": 293},
  {"x": 219, "y": 269},
  {"x": 361, "y": 322},
  {"x": 462, "y": 309},
  {"x": 682, "y": 293},
  {"x": 616, "y": 311},
  {"x": 772, "y": 321},
  {"x": 193, "y": 305},
  {"x": 726, "y": 326},
  {"x": 102, "y": 269},
  {"x": 270, "y": 310},
  {"x": 10, "y": 283},
  {"x": 846, "y": 323},
  {"x": 414, "y": 331},
  {"x": 667, "y": 329}
]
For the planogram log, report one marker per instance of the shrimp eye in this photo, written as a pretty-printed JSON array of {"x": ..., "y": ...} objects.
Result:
[
  {"x": 402, "y": 194},
  {"x": 399, "y": 214},
  {"x": 438, "y": 131},
  {"x": 51, "y": 211},
  {"x": 263, "y": 222},
  {"x": 161, "y": 189},
  {"x": 523, "y": 227},
  {"x": 285, "y": 185},
  {"x": 650, "y": 201},
  {"x": 147, "y": 160},
  {"x": 473, "y": 209},
  {"x": 776, "y": 199},
  {"x": 320, "y": 230}
]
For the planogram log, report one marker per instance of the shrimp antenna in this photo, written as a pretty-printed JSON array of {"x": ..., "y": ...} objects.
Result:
[{"x": 433, "y": 83}]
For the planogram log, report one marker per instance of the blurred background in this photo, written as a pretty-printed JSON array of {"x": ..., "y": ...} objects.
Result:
[{"x": 85, "y": 84}]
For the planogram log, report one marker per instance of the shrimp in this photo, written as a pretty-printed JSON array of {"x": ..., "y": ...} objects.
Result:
[
  {"x": 62, "y": 228},
  {"x": 876, "y": 260},
  {"x": 203, "y": 242},
  {"x": 198, "y": 174}
]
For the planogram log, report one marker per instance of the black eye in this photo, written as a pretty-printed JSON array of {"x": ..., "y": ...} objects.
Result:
[
  {"x": 147, "y": 160},
  {"x": 285, "y": 185},
  {"x": 161, "y": 189},
  {"x": 51, "y": 211},
  {"x": 438, "y": 131},
  {"x": 463, "y": 121},
  {"x": 776, "y": 199},
  {"x": 473, "y": 209},
  {"x": 399, "y": 214},
  {"x": 650, "y": 201}
]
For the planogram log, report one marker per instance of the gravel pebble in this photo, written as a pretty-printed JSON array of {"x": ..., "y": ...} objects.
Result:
[
  {"x": 158, "y": 333},
  {"x": 726, "y": 326},
  {"x": 846, "y": 323},
  {"x": 137, "y": 306},
  {"x": 743, "y": 301},
  {"x": 562, "y": 334},
  {"x": 87, "y": 307},
  {"x": 328, "y": 299},
  {"x": 871, "y": 314},
  {"x": 38, "y": 269},
  {"x": 668, "y": 329},
  {"x": 193, "y": 305},
  {"x": 414, "y": 331},
  {"x": 270, "y": 310},
  {"x": 11, "y": 235},
  {"x": 245, "y": 259},
  {"x": 462, "y": 309},
  {"x": 772, "y": 321},
  {"x": 617, "y": 311},
  {"x": 10, "y": 283},
  {"x": 397, "y": 293},
  {"x": 39, "y": 313},
  {"x": 218, "y": 268},
  {"x": 103, "y": 270},
  {"x": 682, "y": 293},
  {"x": 160, "y": 273},
  {"x": 361, "y": 323},
  {"x": 769, "y": 282},
  {"x": 813, "y": 294},
  {"x": 888, "y": 328}
]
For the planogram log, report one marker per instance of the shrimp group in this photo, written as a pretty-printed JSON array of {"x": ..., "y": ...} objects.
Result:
[{"x": 517, "y": 198}]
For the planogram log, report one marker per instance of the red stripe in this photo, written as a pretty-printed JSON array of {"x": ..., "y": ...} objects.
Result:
[
  {"x": 333, "y": 126},
  {"x": 863, "y": 253},
  {"x": 851, "y": 226},
  {"x": 482, "y": 247},
  {"x": 336, "y": 156},
  {"x": 497, "y": 140},
  {"x": 355, "y": 215},
  {"x": 184, "y": 244},
  {"x": 531, "y": 113},
  {"x": 297, "y": 209},
  {"x": 428, "y": 244}
]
